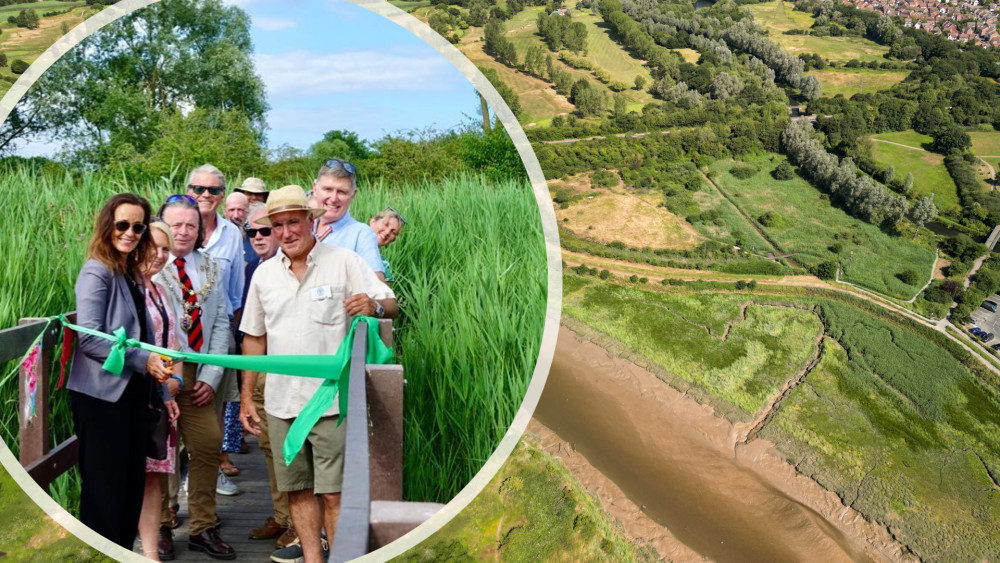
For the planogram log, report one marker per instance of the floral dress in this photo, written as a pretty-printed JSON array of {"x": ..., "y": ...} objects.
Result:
[{"x": 163, "y": 318}]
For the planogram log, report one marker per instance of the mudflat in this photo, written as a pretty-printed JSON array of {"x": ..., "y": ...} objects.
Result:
[{"x": 670, "y": 470}]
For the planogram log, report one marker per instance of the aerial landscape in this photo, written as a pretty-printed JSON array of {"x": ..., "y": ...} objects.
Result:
[{"x": 779, "y": 298}]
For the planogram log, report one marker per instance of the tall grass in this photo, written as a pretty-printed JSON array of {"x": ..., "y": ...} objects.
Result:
[{"x": 471, "y": 284}]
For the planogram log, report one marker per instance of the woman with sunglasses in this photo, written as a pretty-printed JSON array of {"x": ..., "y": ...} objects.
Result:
[{"x": 110, "y": 412}]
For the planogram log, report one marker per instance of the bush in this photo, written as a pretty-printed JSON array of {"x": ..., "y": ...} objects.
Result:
[
  {"x": 633, "y": 278},
  {"x": 783, "y": 172},
  {"x": 18, "y": 66},
  {"x": 825, "y": 270},
  {"x": 643, "y": 280},
  {"x": 909, "y": 277},
  {"x": 772, "y": 220},
  {"x": 752, "y": 285},
  {"x": 937, "y": 295},
  {"x": 603, "y": 178},
  {"x": 742, "y": 172},
  {"x": 605, "y": 274},
  {"x": 740, "y": 284}
]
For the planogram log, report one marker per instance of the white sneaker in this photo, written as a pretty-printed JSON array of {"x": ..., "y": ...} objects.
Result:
[{"x": 224, "y": 486}]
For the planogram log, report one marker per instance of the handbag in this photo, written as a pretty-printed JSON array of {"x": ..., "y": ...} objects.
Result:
[{"x": 159, "y": 426}]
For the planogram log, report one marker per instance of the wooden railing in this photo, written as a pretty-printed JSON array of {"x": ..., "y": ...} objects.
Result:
[{"x": 372, "y": 512}]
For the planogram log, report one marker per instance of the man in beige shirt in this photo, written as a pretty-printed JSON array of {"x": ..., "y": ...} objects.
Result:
[{"x": 301, "y": 302}]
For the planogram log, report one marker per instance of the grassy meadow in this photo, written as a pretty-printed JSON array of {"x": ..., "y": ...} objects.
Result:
[
  {"x": 534, "y": 509},
  {"x": 892, "y": 418},
  {"x": 31, "y": 536},
  {"x": 929, "y": 173},
  {"x": 733, "y": 356},
  {"x": 810, "y": 226},
  {"x": 779, "y": 17},
  {"x": 28, "y": 44},
  {"x": 850, "y": 81},
  {"x": 472, "y": 289}
]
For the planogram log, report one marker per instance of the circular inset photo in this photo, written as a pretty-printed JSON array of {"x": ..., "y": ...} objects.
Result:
[{"x": 280, "y": 280}]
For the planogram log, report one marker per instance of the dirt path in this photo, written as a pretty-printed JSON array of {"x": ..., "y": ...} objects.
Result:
[{"x": 899, "y": 144}]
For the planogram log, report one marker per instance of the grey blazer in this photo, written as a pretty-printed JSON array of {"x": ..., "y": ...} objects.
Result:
[
  {"x": 103, "y": 303},
  {"x": 214, "y": 319}
]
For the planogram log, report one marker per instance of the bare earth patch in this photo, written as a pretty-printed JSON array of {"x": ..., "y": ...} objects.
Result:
[
  {"x": 631, "y": 218},
  {"x": 53, "y": 532}
]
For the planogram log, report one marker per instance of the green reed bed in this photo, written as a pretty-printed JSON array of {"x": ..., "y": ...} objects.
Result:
[{"x": 471, "y": 277}]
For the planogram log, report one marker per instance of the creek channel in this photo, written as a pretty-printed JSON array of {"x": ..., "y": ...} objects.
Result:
[{"x": 677, "y": 461}]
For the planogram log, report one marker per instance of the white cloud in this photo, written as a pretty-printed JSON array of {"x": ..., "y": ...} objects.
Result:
[
  {"x": 274, "y": 24},
  {"x": 303, "y": 73}
]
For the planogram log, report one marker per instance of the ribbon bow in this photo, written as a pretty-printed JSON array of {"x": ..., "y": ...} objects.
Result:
[{"x": 116, "y": 357}]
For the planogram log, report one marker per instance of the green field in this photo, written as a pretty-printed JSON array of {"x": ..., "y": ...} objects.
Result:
[
  {"x": 28, "y": 44},
  {"x": 890, "y": 420},
  {"x": 929, "y": 173},
  {"x": 703, "y": 341},
  {"x": 471, "y": 325},
  {"x": 986, "y": 143},
  {"x": 534, "y": 509},
  {"x": 850, "y": 81},
  {"x": 601, "y": 50},
  {"x": 778, "y": 17},
  {"x": 29, "y": 535},
  {"x": 730, "y": 225},
  {"x": 811, "y": 225},
  {"x": 689, "y": 55}
]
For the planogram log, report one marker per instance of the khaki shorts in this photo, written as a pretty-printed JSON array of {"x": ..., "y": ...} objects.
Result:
[{"x": 319, "y": 465}]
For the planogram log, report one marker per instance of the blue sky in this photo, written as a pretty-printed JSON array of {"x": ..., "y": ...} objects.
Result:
[{"x": 329, "y": 64}]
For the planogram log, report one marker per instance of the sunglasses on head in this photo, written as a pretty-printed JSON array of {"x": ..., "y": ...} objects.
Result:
[
  {"x": 182, "y": 198},
  {"x": 264, "y": 231},
  {"x": 216, "y": 191},
  {"x": 137, "y": 228},
  {"x": 347, "y": 166},
  {"x": 397, "y": 213}
]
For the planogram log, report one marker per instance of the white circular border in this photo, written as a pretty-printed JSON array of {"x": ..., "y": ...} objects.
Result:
[{"x": 553, "y": 257}]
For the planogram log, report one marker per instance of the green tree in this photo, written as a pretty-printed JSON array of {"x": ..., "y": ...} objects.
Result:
[
  {"x": 923, "y": 210},
  {"x": 3, "y": 60},
  {"x": 950, "y": 138},
  {"x": 27, "y": 18},
  {"x": 18, "y": 66},
  {"x": 908, "y": 183},
  {"x": 127, "y": 78},
  {"x": 890, "y": 174},
  {"x": 339, "y": 144},
  {"x": 182, "y": 144},
  {"x": 640, "y": 82}
]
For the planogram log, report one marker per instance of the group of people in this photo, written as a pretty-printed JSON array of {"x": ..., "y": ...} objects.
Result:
[{"x": 282, "y": 273}]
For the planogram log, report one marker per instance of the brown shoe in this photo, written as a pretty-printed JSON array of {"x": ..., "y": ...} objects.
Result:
[
  {"x": 287, "y": 538},
  {"x": 165, "y": 545},
  {"x": 270, "y": 530},
  {"x": 209, "y": 542},
  {"x": 175, "y": 521}
]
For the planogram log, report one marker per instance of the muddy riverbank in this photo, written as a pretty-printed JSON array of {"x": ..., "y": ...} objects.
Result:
[{"x": 667, "y": 467}]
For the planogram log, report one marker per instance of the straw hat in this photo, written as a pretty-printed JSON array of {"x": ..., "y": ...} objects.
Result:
[
  {"x": 253, "y": 185},
  {"x": 288, "y": 198}
]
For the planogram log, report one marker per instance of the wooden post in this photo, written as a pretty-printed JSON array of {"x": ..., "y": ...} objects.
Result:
[
  {"x": 34, "y": 430},
  {"x": 385, "y": 431}
]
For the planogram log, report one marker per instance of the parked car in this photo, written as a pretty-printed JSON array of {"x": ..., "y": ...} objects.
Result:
[
  {"x": 990, "y": 306},
  {"x": 986, "y": 337},
  {"x": 976, "y": 330},
  {"x": 996, "y": 347}
]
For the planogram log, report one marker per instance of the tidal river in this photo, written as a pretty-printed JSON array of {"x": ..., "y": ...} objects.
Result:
[{"x": 673, "y": 461}]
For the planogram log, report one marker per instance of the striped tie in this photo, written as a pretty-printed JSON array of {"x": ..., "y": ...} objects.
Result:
[{"x": 195, "y": 337}]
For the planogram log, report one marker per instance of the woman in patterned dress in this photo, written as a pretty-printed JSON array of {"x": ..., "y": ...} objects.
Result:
[{"x": 164, "y": 336}]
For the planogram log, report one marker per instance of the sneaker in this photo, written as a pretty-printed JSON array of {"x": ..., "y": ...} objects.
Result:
[
  {"x": 293, "y": 553},
  {"x": 224, "y": 486}
]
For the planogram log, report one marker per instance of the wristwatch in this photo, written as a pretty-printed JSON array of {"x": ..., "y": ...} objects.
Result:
[{"x": 379, "y": 310}]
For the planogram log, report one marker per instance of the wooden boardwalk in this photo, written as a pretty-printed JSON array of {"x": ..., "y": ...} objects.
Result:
[{"x": 239, "y": 513}]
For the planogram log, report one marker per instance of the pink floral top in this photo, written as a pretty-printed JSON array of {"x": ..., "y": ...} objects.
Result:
[{"x": 160, "y": 312}]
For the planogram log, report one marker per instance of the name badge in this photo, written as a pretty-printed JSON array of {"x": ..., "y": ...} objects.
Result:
[{"x": 321, "y": 292}]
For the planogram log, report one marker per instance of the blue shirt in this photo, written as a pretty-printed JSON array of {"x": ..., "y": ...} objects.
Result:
[
  {"x": 352, "y": 234},
  {"x": 226, "y": 246}
]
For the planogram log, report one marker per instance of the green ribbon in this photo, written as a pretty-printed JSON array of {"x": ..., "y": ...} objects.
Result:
[
  {"x": 334, "y": 370},
  {"x": 376, "y": 353}
]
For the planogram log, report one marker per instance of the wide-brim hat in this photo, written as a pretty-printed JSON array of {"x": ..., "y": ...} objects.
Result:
[
  {"x": 288, "y": 198},
  {"x": 253, "y": 185}
]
